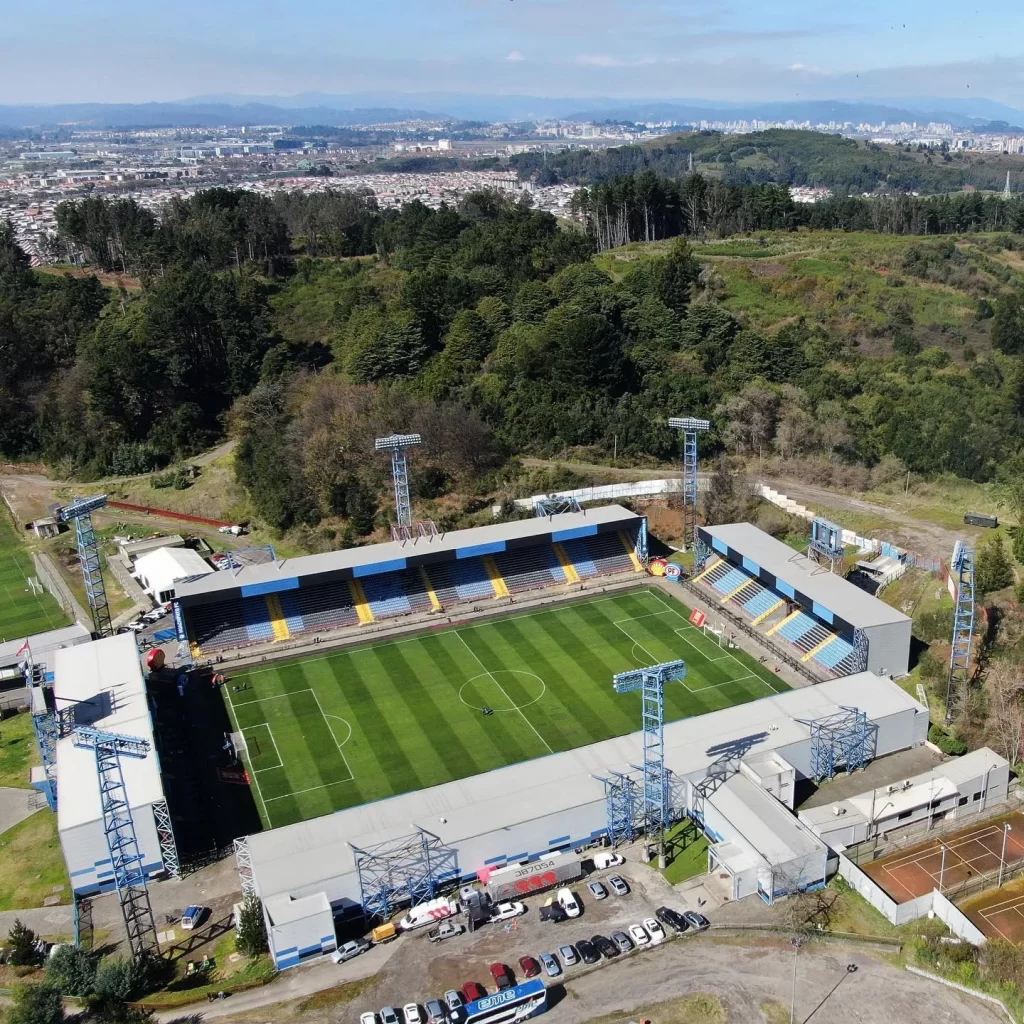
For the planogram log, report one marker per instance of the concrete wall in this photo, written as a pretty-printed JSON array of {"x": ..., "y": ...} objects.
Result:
[
  {"x": 88, "y": 859},
  {"x": 889, "y": 648},
  {"x": 301, "y": 940}
]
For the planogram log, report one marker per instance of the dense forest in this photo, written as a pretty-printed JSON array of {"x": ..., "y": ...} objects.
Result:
[
  {"x": 779, "y": 156},
  {"x": 489, "y": 328}
]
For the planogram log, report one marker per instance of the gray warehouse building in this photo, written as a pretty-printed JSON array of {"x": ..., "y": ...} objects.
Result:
[
  {"x": 842, "y": 610},
  {"x": 734, "y": 769}
]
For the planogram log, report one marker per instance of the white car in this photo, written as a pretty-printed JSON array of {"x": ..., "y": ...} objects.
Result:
[
  {"x": 639, "y": 935},
  {"x": 503, "y": 912},
  {"x": 368, "y": 1018},
  {"x": 654, "y": 929},
  {"x": 568, "y": 902},
  {"x": 411, "y": 1013}
]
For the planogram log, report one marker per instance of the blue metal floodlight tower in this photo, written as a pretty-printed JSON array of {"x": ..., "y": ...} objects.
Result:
[
  {"x": 690, "y": 427},
  {"x": 651, "y": 682},
  {"x": 398, "y": 444},
  {"x": 80, "y": 513},
  {"x": 963, "y": 625},
  {"x": 620, "y": 806},
  {"x": 119, "y": 829}
]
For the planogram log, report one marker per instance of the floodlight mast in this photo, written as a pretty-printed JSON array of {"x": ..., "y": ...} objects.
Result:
[
  {"x": 691, "y": 427},
  {"x": 398, "y": 444}
]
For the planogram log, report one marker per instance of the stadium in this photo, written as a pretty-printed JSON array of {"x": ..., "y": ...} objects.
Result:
[{"x": 406, "y": 716}]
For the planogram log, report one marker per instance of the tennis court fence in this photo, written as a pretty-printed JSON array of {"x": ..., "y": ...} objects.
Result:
[{"x": 51, "y": 579}]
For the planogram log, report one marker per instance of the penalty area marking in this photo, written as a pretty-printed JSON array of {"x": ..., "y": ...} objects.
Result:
[{"x": 277, "y": 750}]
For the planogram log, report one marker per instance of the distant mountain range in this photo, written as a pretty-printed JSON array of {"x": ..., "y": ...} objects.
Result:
[{"x": 386, "y": 108}]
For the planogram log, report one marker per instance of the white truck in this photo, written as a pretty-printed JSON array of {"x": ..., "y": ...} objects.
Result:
[{"x": 429, "y": 913}]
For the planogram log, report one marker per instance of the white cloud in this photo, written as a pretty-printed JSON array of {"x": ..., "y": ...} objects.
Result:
[
  {"x": 602, "y": 60},
  {"x": 515, "y": 55}
]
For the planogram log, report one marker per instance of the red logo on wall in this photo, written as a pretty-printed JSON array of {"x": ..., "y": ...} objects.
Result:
[
  {"x": 697, "y": 617},
  {"x": 534, "y": 882}
]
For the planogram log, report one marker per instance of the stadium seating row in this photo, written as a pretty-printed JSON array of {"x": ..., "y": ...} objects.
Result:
[{"x": 218, "y": 627}]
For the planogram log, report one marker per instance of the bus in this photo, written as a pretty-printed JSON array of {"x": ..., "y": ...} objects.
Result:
[{"x": 514, "y": 1004}]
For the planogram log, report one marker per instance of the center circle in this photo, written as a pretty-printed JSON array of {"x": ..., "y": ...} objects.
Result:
[{"x": 507, "y": 689}]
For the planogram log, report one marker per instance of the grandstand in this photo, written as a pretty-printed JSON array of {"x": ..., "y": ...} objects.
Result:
[
  {"x": 315, "y": 594},
  {"x": 822, "y": 618}
]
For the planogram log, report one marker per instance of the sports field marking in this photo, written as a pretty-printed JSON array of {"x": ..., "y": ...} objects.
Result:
[
  {"x": 682, "y": 631},
  {"x": 507, "y": 671},
  {"x": 270, "y": 733},
  {"x": 504, "y": 691},
  {"x": 1014, "y": 905}
]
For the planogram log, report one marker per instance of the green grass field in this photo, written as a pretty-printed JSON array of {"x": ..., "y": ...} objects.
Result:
[
  {"x": 333, "y": 731},
  {"x": 22, "y": 613}
]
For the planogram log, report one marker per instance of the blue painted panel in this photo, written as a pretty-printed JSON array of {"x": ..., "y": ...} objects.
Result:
[
  {"x": 720, "y": 546},
  {"x": 558, "y": 841},
  {"x": 751, "y": 566},
  {"x": 480, "y": 549},
  {"x": 394, "y": 565},
  {"x": 784, "y": 588},
  {"x": 821, "y": 611},
  {"x": 579, "y": 531},
  {"x": 270, "y": 587},
  {"x": 494, "y": 860}
]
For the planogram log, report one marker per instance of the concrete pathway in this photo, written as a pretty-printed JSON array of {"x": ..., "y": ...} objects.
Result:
[
  {"x": 18, "y": 804},
  {"x": 50, "y": 922}
]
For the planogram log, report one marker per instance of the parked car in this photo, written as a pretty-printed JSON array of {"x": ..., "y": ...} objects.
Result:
[
  {"x": 597, "y": 890},
  {"x": 472, "y": 991},
  {"x": 569, "y": 955},
  {"x": 568, "y": 902},
  {"x": 656, "y": 932},
  {"x": 618, "y": 885},
  {"x": 608, "y": 860},
  {"x": 623, "y": 941},
  {"x": 436, "y": 1013},
  {"x": 553, "y": 912},
  {"x": 453, "y": 1000},
  {"x": 552, "y": 968},
  {"x": 411, "y": 1013},
  {"x": 348, "y": 950},
  {"x": 698, "y": 922},
  {"x": 639, "y": 935},
  {"x": 502, "y": 976},
  {"x": 675, "y": 920},
  {"x": 388, "y": 1015},
  {"x": 368, "y": 1018},
  {"x": 605, "y": 946},
  {"x": 506, "y": 911},
  {"x": 445, "y": 930},
  {"x": 588, "y": 953},
  {"x": 193, "y": 916},
  {"x": 529, "y": 966},
  {"x": 136, "y": 625}
]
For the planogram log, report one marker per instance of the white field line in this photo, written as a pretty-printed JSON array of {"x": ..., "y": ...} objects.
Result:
[
  {"x": 277, "y": 749},
  {"x": 488, "y": 672},
  {"x": 255, "y": 781}
]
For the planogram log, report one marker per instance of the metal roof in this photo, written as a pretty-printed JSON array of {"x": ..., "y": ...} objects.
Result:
[
  {"x": 162, "y": 568},
  {"x": 392, "y": 555},
  {"x": 42, "y": 645},
  {"x": 297, "y": 856},
  {"x": 107, "y": 676},
  {"x": 826, "y": 588}
]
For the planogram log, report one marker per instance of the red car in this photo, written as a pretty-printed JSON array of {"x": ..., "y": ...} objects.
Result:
[
  {"x": 529, "y": 967},
  {"x": 502, "y": 976},
  {"x": 472, "y": 991}
]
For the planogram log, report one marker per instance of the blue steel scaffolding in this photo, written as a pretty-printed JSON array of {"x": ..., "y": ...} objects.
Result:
[
  {"x": 963, "y": 627},
  {"x": 651, "y": 684},
  {"x": 119, "y": 829},
  {"x": 398, "y": 444},
  {"x": 839, "y": 739},
  {"x": 80, "y": 513},
  {"x": 620, "y": 805},
  {"x": 690, "y": 427},
  {"x": 555, "y": 505}
]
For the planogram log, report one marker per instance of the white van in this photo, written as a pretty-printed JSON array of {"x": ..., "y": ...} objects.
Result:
[
  {"x": 608, "y": 860},
  {"x": 429, "y": 913}
]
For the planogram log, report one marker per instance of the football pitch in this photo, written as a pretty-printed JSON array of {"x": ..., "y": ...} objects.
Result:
[
  {"x": 332, "y": 731},
  {"x": 22, "y": 612}
]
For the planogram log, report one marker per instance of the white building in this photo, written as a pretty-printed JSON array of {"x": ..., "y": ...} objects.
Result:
[
  {"x": 159, "y": 571},
  {"x": 103, "y": 683}
]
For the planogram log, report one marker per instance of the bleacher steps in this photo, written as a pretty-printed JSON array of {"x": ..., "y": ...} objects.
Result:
[
  {"x": 497, "y": 580},
  {"x": 707, "y": 569},
  {"x": 435, "y": 604},
  {"x": 778, "y": 625},
  {"x": 764, "y": 615},
  {"x": 631, "y": 551},
  {"x": 570, "y": 570},
  {"x": 277, "y": 617},
  {"x": 732, "y": 593},
  {"x": 360, "y": 603},
  {"x": 818, "y": 647}
]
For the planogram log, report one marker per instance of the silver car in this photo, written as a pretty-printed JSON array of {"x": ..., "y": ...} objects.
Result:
[
  {"x": 569, "y": 955},
  {"x": 618, "y": 884},
  {"x": 552, "y": 968},
  {"x": 597, "y": 890}
]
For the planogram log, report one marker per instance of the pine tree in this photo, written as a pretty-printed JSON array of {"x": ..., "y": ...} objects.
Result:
[
  {"x": 251, "y": 932},
  {"x": 22, "y": 941},
  {"x": 36, "y": 1004},
  {"x": 993, "y": 568}
]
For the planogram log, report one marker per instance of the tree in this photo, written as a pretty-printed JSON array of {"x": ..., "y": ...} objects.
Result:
[
  {"x": 1005, "y": 685},
  {"x": 721, "y": 502},
  {"x": 1017, "y": 507},
  {"x": 1008, "y": 324},
  {"x": 36, "y": 1004},
  {"x": 993, "y": 568},
  {"x": 123, "y": 979},
  {"x": 22, "y": 942},
  {"x": 72, "y": 970},
  {"x": 251, "y": 933}
]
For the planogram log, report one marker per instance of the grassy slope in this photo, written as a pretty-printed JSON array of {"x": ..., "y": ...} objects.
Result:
[
  {"x": 22, "y": 612},
  {"x": 406, "y": 714},
  {"x": 32, "y": 864},
  {"x": 18, "y": 751}
]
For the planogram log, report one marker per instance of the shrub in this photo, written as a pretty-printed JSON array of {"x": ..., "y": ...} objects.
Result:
[
  {"x": 72, "y": 970},
  {"x": 946, "y": 742},
  {"x": 36, "y": 1004},
  {"x": 936, "y": 625},
  {"x": 121, "y": 980}
]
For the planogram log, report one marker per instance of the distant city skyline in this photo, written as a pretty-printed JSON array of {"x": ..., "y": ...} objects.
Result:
[{"x": 70, "y": 51}]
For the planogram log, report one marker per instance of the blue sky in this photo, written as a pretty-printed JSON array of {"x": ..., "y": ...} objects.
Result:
[{"x": 81, "y": 50}]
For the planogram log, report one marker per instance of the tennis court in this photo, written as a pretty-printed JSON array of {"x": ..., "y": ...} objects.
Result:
[
  {"x": 999, "y": 913},
  {"x": 950, "y": 860}
]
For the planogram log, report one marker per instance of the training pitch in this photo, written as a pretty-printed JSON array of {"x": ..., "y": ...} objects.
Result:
[
  {"x": 337, "y": 730},
  {"x": 22, "y": 612}
]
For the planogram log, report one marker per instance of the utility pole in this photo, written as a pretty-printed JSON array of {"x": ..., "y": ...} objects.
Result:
[
  {"x": 1002, "y": 854},
  {"x": 797, "y": 943}
]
